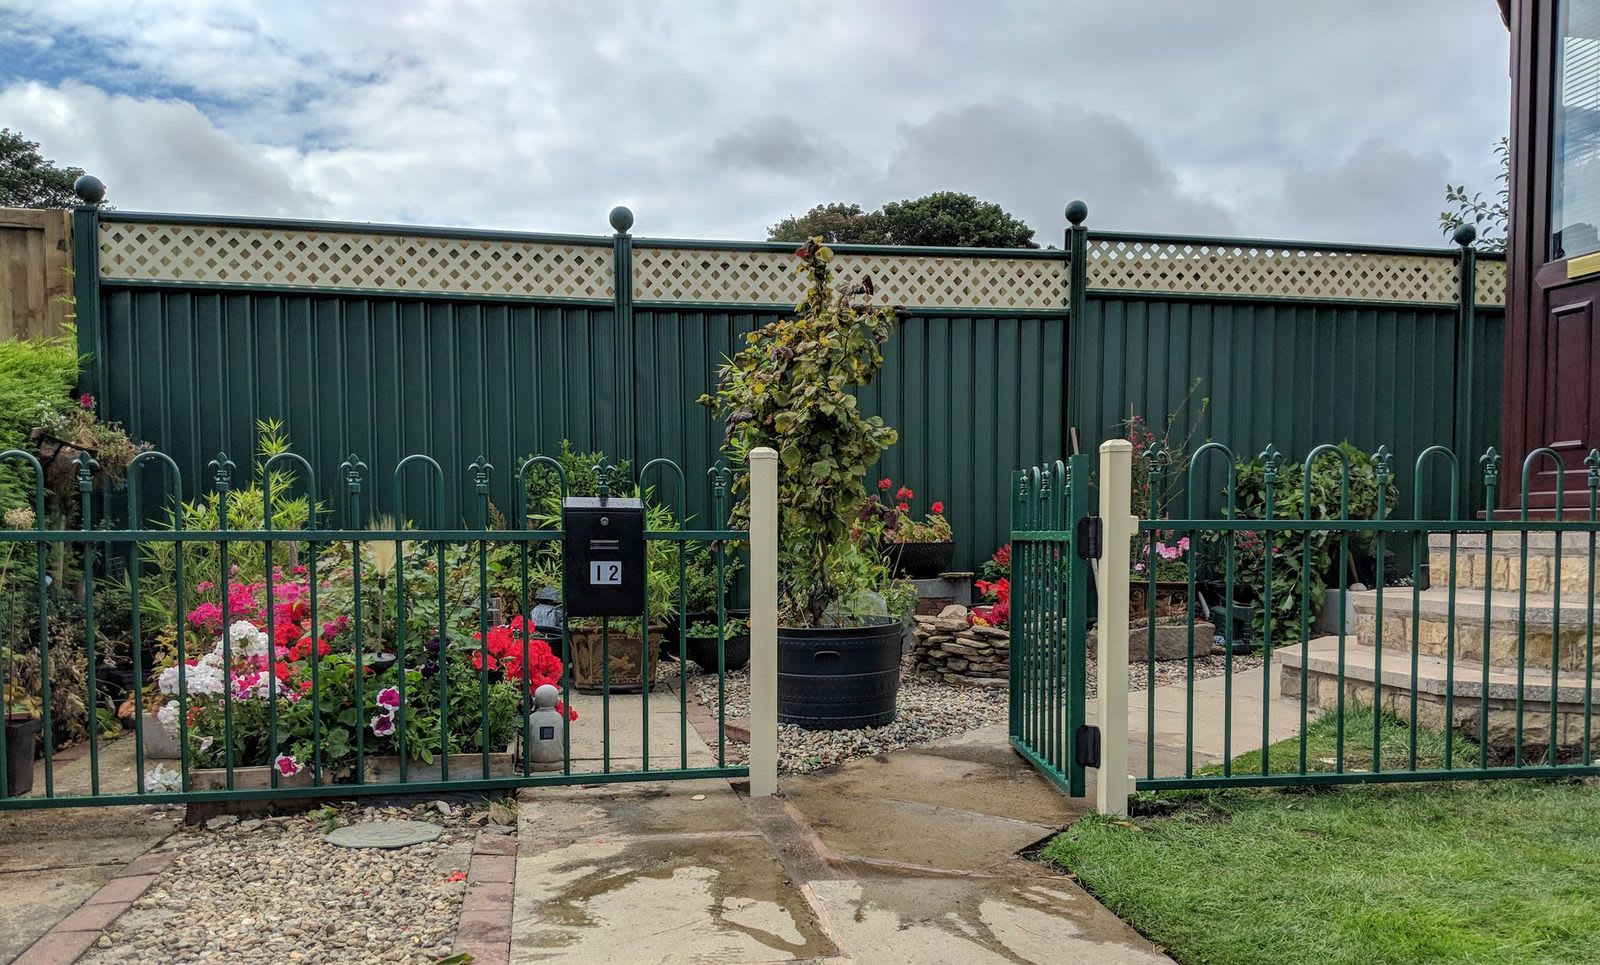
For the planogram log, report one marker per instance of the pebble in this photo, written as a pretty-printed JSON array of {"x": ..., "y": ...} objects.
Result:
[
  {"x": 927, "y": 709},
  {"x": 277, "y": 892}
]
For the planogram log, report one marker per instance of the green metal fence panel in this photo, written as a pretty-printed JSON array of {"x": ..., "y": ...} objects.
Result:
[
  {"x": 193, "y": 371},
  {"x": 1290, "y": 373},
  {"x": 972, "y": 396}
]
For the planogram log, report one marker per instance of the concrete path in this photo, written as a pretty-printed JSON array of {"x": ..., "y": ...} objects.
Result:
[
  {"x": 1211, "y": 716},
  {"x": 52, "y": 860},
  {"x": 910, "y": 857}
]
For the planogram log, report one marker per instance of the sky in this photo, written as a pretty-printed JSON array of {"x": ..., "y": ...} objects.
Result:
[{"x": 1323, "y": 120}]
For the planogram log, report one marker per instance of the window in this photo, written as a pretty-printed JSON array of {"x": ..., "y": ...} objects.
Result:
[{"x": 1575, "y": 156}]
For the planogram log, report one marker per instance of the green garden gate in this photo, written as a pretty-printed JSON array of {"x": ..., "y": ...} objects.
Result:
[{"x": 1051, "y": 533}]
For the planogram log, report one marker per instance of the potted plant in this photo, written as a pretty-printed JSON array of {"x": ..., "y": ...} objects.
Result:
[
  {"x": 700, "y": 640},
  {"x": 919, "y": 548},
  {"x": 793, "y": 388},
  {"x": 24, "y": 717}
]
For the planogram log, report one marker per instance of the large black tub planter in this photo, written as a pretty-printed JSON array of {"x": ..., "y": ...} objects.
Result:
[{"x": 839, "y": 678}]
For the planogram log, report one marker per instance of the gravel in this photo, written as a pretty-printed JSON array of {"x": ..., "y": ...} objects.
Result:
[
  {"x": 926, "y": 710},
  {"x": 273, "y": 891}
]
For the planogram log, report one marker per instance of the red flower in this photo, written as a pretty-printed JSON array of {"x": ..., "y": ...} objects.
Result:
[
  {"x": 86, "y": 401},
  {"x": 938, "y": 507},
  {"x": 904, "y": 494},
  {"x": 903, "y": 507},
  {"x": 885, "y": 483}
]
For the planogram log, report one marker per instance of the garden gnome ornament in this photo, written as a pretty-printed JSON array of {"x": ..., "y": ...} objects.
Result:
[{"x": 545, "y": 725}]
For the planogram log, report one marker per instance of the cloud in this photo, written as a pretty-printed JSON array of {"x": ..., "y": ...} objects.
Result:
[
  {"x": 717, "y": 119},
  {"x": 158, "y": 154},
  {"x": 1378, "y": 190}
]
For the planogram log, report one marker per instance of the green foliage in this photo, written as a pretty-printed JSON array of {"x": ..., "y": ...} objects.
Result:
[
  {"x": 246, "y": 508},
  {"x": 36, "y": 378},
  {"x": 793, "y": 388},
  {"x": 1489, "y": 217},
  {"x": 838, "y": 222},
  {"x": 943, "y": 219},
  {"x": 1292, "y": 579},
  {"x": 28, "y": 180}
]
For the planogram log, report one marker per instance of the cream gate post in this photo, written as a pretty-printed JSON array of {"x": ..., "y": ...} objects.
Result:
[
  {"x": 1113, "y": 783},
  {"x": 764, "y": 621}
]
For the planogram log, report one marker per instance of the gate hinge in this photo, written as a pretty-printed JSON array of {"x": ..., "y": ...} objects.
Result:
[
  {"x": 1086, "y": 746},
  {"x": 1089, "y": 538}
]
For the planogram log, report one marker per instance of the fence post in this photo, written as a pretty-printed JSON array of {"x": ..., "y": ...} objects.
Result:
[
  {"x": 621, "y": 220},
  {"x": 86, "y": 280},
  {"x": 1112, "y": 783},
  {"x": 763, "y": 621},
  {"x": 1466, "y": 335},
  {"x": 1077, "y": 241}
]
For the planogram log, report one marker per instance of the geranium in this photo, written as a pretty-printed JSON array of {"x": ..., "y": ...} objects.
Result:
[
  {"x": 893, "y": 521},
  {"x": 884, "y": 484},
  {"x": 938, "y": 507},
  {"x": 904, "y": 494}
]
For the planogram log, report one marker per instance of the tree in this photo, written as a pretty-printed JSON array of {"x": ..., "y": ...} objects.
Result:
[
  {"x": 944, "y": 218},
  {"x": 1489, "y": 217},
  {"x": 28, "y": 180},
  {"x": 838, "y": 223}
]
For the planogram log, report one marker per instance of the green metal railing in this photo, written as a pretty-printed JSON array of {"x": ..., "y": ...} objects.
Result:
[
  {"x": 360, "y": 648},
  {"x": 1049, "y": 619},
  {"x": 1440, "y": 679}
]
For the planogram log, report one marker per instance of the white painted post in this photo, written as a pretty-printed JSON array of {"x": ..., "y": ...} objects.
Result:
[
  {"x": 764, "y": 621},
  {"x": 1119, "y": 527}
]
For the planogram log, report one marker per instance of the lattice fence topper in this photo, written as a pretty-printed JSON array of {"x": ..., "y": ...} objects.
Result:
[
  {"x": 1120, "y": 264},
  {"x": 353, "y": 260},
  {"x": 916, "y": 281},
  {"x": 1490, "y": 283}
]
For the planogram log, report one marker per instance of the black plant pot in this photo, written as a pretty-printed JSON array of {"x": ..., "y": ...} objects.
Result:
[
  {"x": 22, "y": 738},
  {"x": 735, "y": 651},
  {"x": 922, "y": 561},
  {"x": 838, "y": 678}
]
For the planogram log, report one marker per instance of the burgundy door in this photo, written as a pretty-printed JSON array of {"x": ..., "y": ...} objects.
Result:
[{"x": 1568, "y": 365}]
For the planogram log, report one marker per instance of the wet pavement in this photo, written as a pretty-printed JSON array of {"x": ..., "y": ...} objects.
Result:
[{"x": 908, "y": 857}]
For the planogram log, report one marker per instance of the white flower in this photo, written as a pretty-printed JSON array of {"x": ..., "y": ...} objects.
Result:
[
  {"x": 168, "y": 716},
  {"x": 246, "y": 636},
  {"x": 168, "y": 681},
  {"x": 205, "y": 678},
  {"x": 162, "y": 780}
]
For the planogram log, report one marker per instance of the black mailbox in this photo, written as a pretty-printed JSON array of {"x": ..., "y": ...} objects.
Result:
[{"x": 604, "y": 556}]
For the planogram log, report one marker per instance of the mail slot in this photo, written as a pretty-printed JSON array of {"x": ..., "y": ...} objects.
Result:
[{"x": 604, "y": 556}]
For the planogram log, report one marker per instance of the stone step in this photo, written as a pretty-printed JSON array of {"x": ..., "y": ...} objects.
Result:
[
  {"x": 1477, "y": 568},
  {"x": 1437, "y": 628},
  {"x": 1433, "y": 682}
]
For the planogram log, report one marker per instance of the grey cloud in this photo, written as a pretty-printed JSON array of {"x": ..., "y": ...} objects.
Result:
[
  {"x": 157, "y": 154},
  {"x": 1378, "y": 190},
  {"x": 778, "y": 145}
]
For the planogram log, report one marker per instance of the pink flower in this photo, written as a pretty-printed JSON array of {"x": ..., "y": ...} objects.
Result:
[
  {"x": 86, "y": 401},
  {"x": 204, "y": 586},
  {"x": 1138, "y": 567},
  {"x": 382, "y": 725},
  {"x": 389, "y": 697},
  {"x": 286, "y": 765},
  {"x": 206, "y": 614}
]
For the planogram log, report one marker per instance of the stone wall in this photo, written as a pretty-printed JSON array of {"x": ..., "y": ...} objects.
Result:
[{"x": 945, "y": 648}]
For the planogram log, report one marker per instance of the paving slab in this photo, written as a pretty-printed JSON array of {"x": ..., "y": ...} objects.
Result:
[
  {"x": 52, "y": 860},
  {"x": 976, "y": 922},
  {"x": 662, "y": 899},
  {"x": 565, "y": 815}
]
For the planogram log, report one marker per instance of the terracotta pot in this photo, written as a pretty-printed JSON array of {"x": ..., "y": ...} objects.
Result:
[{"x": 627, "y": 674}]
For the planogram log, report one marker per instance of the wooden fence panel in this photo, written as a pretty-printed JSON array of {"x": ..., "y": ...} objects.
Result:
[{"x": 35, "y": 271}]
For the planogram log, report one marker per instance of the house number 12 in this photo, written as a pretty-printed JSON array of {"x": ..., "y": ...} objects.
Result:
[{"x": 605, "y": 573}]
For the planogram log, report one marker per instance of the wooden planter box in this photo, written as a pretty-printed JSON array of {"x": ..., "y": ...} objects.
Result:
[
  {"x": 463, "y": 767},
  {"x": 244, "y": 778}
]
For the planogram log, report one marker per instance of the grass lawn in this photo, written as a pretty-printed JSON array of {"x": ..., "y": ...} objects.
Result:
[{"x": 1494, "y": 871}]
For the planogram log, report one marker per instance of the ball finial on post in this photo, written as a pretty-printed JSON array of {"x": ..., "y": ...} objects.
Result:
[
  {"x": 621, "y": 219},
  {"x": 1077, "y": 211},
  {"x": 89, "y": 189},
  {"x": 1465, "y": 235}
]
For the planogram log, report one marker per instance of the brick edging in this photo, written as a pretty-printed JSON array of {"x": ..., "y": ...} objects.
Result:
[
  {"x": 76, "y": 934},
  {"x": 485, "y": 926}
]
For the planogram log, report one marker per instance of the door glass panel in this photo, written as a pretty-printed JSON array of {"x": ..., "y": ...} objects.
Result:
[{"x": 1575, "y": 178}]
